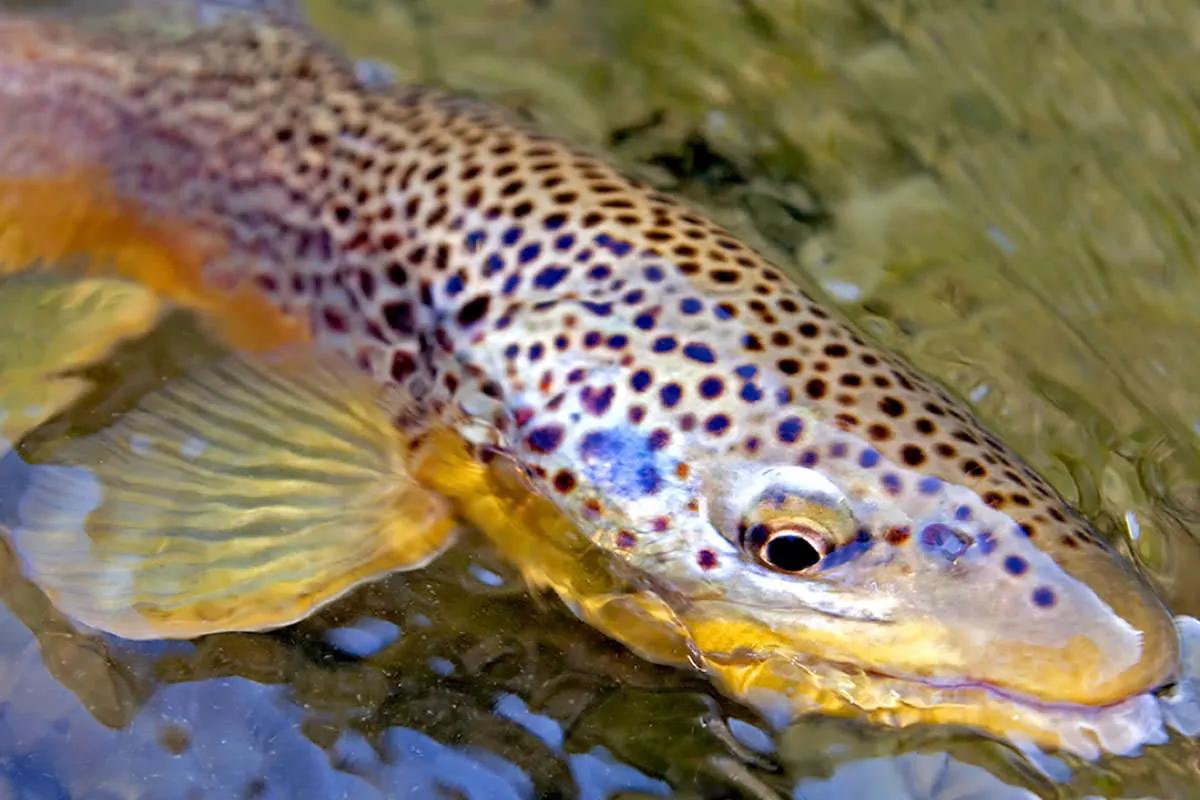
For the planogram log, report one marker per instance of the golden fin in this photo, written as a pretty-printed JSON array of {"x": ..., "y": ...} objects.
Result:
[
  {"x": 74, "y": 218},
  {"x": 50, "y": 325},
  {"x": 241, "y": 497}
]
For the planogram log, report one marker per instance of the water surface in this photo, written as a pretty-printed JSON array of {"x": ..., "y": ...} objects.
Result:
[{"x": 1003, "y": 192}]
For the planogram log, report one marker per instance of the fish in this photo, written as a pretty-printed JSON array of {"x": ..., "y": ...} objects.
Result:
[{"x": 439, "y": 316}]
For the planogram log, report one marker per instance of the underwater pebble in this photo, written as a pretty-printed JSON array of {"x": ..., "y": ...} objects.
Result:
[
  {"x": 909, "y": 776},
  {"x": 364, "y": 638},
  {"x": 411, "y": 751},
  {"x": 751, "y": 736},
  {"x": 1181, "y": 705},
  {"x": 545, "y": 728},
  {"x": 600, "y": 777},
  {"x": 441, "y": 666},
  {"x": 485, "y": 575}
]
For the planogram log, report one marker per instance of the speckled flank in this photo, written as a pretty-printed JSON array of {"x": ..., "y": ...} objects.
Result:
[{"x": 610, "y": 338}]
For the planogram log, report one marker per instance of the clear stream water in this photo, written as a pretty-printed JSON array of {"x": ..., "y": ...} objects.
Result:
[{"x": 1006, "y": 193}]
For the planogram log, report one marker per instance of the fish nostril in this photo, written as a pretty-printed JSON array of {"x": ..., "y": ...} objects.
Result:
[{"x": 943, "y": 539}]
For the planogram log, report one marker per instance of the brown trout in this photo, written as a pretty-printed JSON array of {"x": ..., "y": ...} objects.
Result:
[{"x": 648, "y": 418}]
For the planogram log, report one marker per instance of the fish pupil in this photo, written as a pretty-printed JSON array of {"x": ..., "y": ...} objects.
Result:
[{"x": 790, "y": 553}]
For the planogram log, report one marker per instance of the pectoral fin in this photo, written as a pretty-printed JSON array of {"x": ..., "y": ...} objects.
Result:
[
  {"x": 49, "y": 326},
  {"x": 241, "y": 497}
]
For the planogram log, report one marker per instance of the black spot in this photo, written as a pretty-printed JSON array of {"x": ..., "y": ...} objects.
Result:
[
  {"x": 891, "y": 406},
  {"x": 474, "y": 310},
  {"x": 399, "y": 317}
]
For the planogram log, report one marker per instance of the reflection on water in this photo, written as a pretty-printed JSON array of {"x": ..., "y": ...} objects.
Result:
[{"x": 1004, "y": 192}]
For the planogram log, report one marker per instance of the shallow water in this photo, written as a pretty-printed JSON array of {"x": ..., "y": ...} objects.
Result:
[{"x": 1005, "y": 193}]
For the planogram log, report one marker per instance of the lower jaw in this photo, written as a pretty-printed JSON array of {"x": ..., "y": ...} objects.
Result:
[{"x": 783, "y": 688}]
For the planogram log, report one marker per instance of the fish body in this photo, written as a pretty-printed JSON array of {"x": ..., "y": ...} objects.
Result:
[{"x": 697, "y": 455}]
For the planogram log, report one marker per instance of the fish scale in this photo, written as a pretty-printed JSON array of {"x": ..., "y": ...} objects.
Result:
[{"x": 655, "y": 378}]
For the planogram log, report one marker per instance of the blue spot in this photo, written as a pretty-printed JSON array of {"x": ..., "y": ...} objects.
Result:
[
  {"x": 790, "y": 429},
  {"x": 600, "y": 272},
  {"x": 617, "y": 341},
  {"x": 644, "y": 321},
  {"x": 620, "y": 460},
  {"x": 868, "y": 458},
  {"x": 503, "y": 323},
  {"x": 555, "y": 222},
  {"x": 962, "y": 513},
  {"x": 943, "y": 539},
  {"x": 670, "y": 394},
  {"x": 454, "y": 285},
  {"x": 711, "y": 387},
  {"x": 690, "y": 305},
  {"x": 722, "y": 312},
  {"x": 1016, "y": 565},
  {"x": 746, "y": 371},
  {"x": 653, "y": 274},
  {"x": 550, "y": 277},
  {"x": 783, "y": 396},
  {"x": 640, "y": 380},
  {"x": 986, "y": 542},
  {"x": 1043, "y": 596},
  {"x": 848, "y": 552},
  {"x": 536, "y": 351},
  {"x": 599, "y": 309},
  {"x": 511, "y": 351},
  {"x": 699, "y": 352},
  {"x": 591, "y": 339},
  {"x": 751, "y": 393},
  {"x": 602, "y": 240},
  {"x": 510, "y": 285},
  {"x": 808, "y": 458},
  {"x": 665, "y": 344},
  {"x": 561, "y": 341},
  {"x": 493, "y": 264},
  {"x": 634, "y": 297},
  {"x": 717, "y": 423},
  {"x": 511, "y": 235},
  {"x": 564, "y": 242},
  {"x": 929, "y": 485},
  {"x": 621, "y": 248},
  {"x": 545, "y": 439},
  {"x": 583, "y": 255},
  {"x": 475, "y": 240},
  {"x": 529, "y": 252},
  {"x": 891, "y": 482}
]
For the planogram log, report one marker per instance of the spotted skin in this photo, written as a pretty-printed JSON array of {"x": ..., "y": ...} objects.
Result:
[{"x": 674, "y": 393}]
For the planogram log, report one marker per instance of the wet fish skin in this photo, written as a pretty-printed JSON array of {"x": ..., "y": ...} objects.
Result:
[{"x": 681, "y": 401}]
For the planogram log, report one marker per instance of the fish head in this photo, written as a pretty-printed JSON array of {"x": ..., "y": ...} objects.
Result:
[{"x": 816, "y": 567}]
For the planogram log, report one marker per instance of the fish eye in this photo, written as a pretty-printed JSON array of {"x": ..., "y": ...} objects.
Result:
[{"x": 791, "y": 549}]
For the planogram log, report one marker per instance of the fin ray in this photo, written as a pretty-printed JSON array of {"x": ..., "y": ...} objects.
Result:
[{"x": 206, "y": 510}]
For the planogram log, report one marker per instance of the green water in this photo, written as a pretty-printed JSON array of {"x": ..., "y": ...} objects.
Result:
[{"x": 1004, "y": 192}]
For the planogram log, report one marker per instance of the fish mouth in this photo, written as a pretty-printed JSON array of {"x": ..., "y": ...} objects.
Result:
[{"x": 784, "y": 686}]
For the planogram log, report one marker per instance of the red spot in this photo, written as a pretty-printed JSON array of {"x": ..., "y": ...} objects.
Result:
[
  {"x": 897, "y": 535},
  {"x": 564, "y": 481},
  {"x": 660, "y": 524},
  {"x": 522, "y": 416},
  {"x": 626, "y": 539},
  {"x": 707, "y": 559}
]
